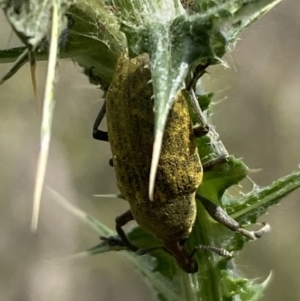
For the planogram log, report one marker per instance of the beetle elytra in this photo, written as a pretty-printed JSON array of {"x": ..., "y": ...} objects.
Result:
[{"x": 130, "y": 120}]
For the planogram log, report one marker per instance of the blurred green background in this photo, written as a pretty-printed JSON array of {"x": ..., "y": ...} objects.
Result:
[{"x": 257, "y": 117}]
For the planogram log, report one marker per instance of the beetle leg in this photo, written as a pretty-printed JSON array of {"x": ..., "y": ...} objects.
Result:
[
  {"x": 122, "y": 240},
  {"x": 208, "y": 166},
  {"x": 121, "y": 221},
  {"x": 200, "y": 130},
  {"x": 98, "y": 134},
  {"x": 218, "y": 214},
  {"x": 199, "y": 71},
  {"x": 113, "y": 241}
]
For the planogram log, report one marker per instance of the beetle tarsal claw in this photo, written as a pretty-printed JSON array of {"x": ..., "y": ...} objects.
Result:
[
  {"x": 255, "y": 234},
  {"x": 264, "y": 229},
  {"x": 113, "y": 241}
]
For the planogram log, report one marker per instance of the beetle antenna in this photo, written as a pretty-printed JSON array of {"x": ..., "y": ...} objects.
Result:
[
  {"x": 199, "y": 71},
  {"x": 218, "y": 251}
]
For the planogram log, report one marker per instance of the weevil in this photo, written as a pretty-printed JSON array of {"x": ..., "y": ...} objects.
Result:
[{"x": 130, "y": 121}]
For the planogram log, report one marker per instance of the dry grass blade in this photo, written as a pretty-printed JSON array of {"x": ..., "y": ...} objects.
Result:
[{"x": 48, "y": 107}]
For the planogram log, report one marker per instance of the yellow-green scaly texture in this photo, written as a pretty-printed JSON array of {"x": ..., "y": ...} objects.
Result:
[{"x": 130, "y": 118}]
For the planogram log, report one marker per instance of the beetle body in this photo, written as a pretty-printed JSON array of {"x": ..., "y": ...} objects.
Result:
[
  {"x": 130, "y": 121},
  {"x": 170, "y": 214}
]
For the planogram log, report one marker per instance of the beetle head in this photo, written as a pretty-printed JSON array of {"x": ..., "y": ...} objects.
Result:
[{"x": 183, "y": 258}]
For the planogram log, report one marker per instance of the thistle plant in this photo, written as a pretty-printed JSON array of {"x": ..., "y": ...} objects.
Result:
[{"x": 178, "y": 36}]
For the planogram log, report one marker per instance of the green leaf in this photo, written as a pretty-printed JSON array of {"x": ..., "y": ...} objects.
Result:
[
  {"x": 92, "y": 38},
  {"x": 256, "y": 202},
  {"x": 216, "y": 181},
  {"x": 223, "y": 175},
  {"x": 95, "y": 40}
]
